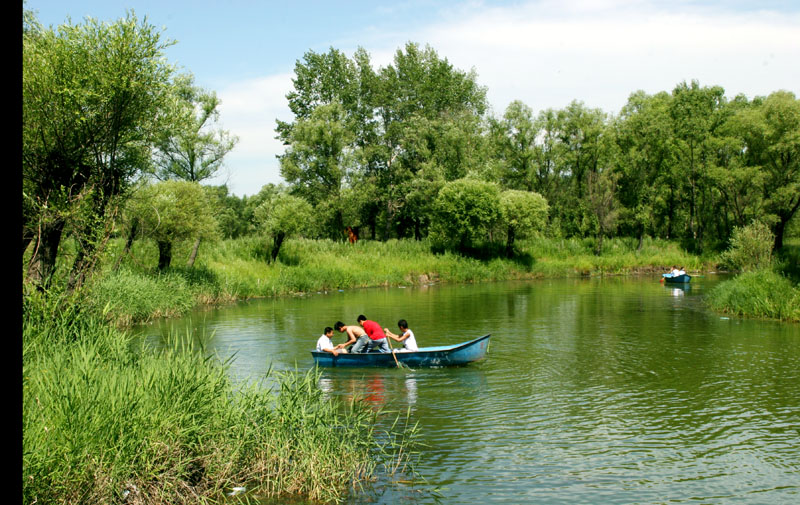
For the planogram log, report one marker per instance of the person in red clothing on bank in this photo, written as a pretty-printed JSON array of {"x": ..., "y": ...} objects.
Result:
[{"x": 375, "y": 334}]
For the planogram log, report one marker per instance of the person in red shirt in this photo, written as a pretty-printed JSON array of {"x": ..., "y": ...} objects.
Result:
[{"x": 375, "y": 333}]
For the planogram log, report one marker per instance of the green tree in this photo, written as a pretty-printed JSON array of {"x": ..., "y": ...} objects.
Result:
[
  {"x": 94, "y": 97},
  {"x": 382, "y": 127},
  {"x": 465, "y": 211},
  {"x": 173, "y": 211},
  {"x": 643, "y": 136},
  {"x": 318, "y": 154},
  {"x": 697, "y": 113},
  {"x": 514, "y": 142},
  {"x": 602, "y": 196},
  {"x": 524, "y": 213},
  {"x": 750, "y": 248},
  {"x": 282, "y": 217},
  {"x": 193, "y": 148},
  {"x": 771, "y": 134}
]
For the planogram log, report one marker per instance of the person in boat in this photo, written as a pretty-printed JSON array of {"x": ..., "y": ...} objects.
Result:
[
  {"x": 406, "y": 337},
  {"x": 681, "y": 271},
  {"x": 674, "y": 271},
  {"x": 377, "y": 339},
  {"x": 325, "y": 344},
  {"x": 356, "y": 337}
]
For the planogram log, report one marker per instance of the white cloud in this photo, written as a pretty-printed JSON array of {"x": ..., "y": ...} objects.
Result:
[
  {"x": 249, "y": 110},
  {"x": 548, "y": 53}
]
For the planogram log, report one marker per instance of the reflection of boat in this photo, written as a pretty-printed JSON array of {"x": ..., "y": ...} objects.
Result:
[
  {"x": 446, "y": 355},
  {"x": 677, "y": 279}
]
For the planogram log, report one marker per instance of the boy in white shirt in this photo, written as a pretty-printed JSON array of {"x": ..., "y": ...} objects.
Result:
[{"x": 406, "y": 337}]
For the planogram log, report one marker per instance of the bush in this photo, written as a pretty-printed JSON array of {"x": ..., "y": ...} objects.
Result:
[{"x": 750, "y": 248}]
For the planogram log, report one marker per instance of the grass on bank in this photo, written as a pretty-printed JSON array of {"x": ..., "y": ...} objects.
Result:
[
  {"x": 102, "y": 424},
  {"x": 763, "y": 293},
  {"x": 238, "y": 269}
]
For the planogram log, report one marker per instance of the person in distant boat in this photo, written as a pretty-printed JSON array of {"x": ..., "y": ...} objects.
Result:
[
  {"x": 356, "y": 337},
  {"x": 681, "y": 271},
  {"x": 375, "y": 333},
  {"x": 406, "y": 337},
  {"x": 674, "y": 272},
  {"x": 324, "y": 343}
]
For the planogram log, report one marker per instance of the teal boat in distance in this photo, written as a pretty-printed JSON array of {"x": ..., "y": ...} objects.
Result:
[
  {"x": 426, "y": 357},
  {"x": 677, "y": 279}
]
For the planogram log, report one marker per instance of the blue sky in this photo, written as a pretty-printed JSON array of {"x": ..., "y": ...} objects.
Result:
[{"x": 543, "y": 52}]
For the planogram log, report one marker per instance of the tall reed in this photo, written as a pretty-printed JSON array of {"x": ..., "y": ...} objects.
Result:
[{"x": 103, "y": 424}]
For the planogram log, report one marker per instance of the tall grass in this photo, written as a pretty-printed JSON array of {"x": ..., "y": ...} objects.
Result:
[
  {"x": 103, "y": 424},
  {"x": 762, "y": 293}
]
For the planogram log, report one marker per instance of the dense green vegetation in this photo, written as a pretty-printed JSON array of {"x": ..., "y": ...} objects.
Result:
[
  {"x": 115, "y": 144},
  {"x": 767, "y": 287},
  {"x": 101, "y": 422},
  {"x": 239, "y": 268}
]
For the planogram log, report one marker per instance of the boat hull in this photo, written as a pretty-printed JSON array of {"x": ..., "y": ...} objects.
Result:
[
  {"x": 448, "y": 355},
  {"x": 678, "y": 279}
]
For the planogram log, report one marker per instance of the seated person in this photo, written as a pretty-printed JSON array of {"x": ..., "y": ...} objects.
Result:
[
  {"x": 406, "y": 337},
  {"x": 325, "y": 344}
]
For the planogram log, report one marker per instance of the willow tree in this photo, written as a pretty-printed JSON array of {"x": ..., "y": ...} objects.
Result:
[
  {"x": 283, "y": 217},
  {"x": 173, "y": 211},
  {"x": 771, "y": 134},
  {"x": 194, "y": 146},
  {"x": 94, "y": 96},
  {"x": 523, "y": 214}
]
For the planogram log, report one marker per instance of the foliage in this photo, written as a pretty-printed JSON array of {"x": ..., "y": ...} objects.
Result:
[
  {"x": 465, "y": 211},
  {"x": 283, "y": 217},
  {"x": 750, "y": 248},
  {"x": 172, "y": 211},
  {"x": 191, "y": 148},
  {"x": 94, "y": 97},
  {"x": 524, "y": 214}
]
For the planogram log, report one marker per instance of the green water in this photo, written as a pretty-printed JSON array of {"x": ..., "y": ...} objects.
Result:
[{"x": 615, "y": 390}]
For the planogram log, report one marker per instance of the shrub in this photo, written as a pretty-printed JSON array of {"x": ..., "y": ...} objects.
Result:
[{"x": 750, "y": 248}]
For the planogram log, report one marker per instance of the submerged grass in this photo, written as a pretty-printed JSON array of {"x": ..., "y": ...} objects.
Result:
[
  {"x": 763, "y": 293},
  {"x": 103, "y": 424}
]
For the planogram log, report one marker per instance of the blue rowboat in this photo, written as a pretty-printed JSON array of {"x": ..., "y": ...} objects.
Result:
[
  {"x": 677, "y": 278},
  {"x": 445, "y": 355}
]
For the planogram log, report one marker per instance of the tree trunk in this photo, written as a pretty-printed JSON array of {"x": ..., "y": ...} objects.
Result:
[
  {"x": 641, "y": 239},
  {"x": 45, "y": 250},
  {"x": 193, "y": 256},
  {"x": 128, "y": 244},
  {"x": 510, "y": 242},
  {"x": 164, "y": 255},
  {"x": 276, "y": 245}
]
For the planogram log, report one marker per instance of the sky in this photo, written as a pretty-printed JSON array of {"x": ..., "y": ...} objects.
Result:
[{"x": 545, "y": 53}]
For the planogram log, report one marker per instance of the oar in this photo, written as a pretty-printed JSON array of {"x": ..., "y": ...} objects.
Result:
[{"x": 392, "y": 351}]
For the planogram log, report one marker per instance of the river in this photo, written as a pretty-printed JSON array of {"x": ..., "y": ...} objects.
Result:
[{"x": 614, "y": 390}]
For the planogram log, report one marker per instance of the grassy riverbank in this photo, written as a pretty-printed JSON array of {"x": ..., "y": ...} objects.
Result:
[
  {"x": 763, "y": 293},
  {"x": 103, "y": 424},
  {"x": 238, "y": 269}
]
